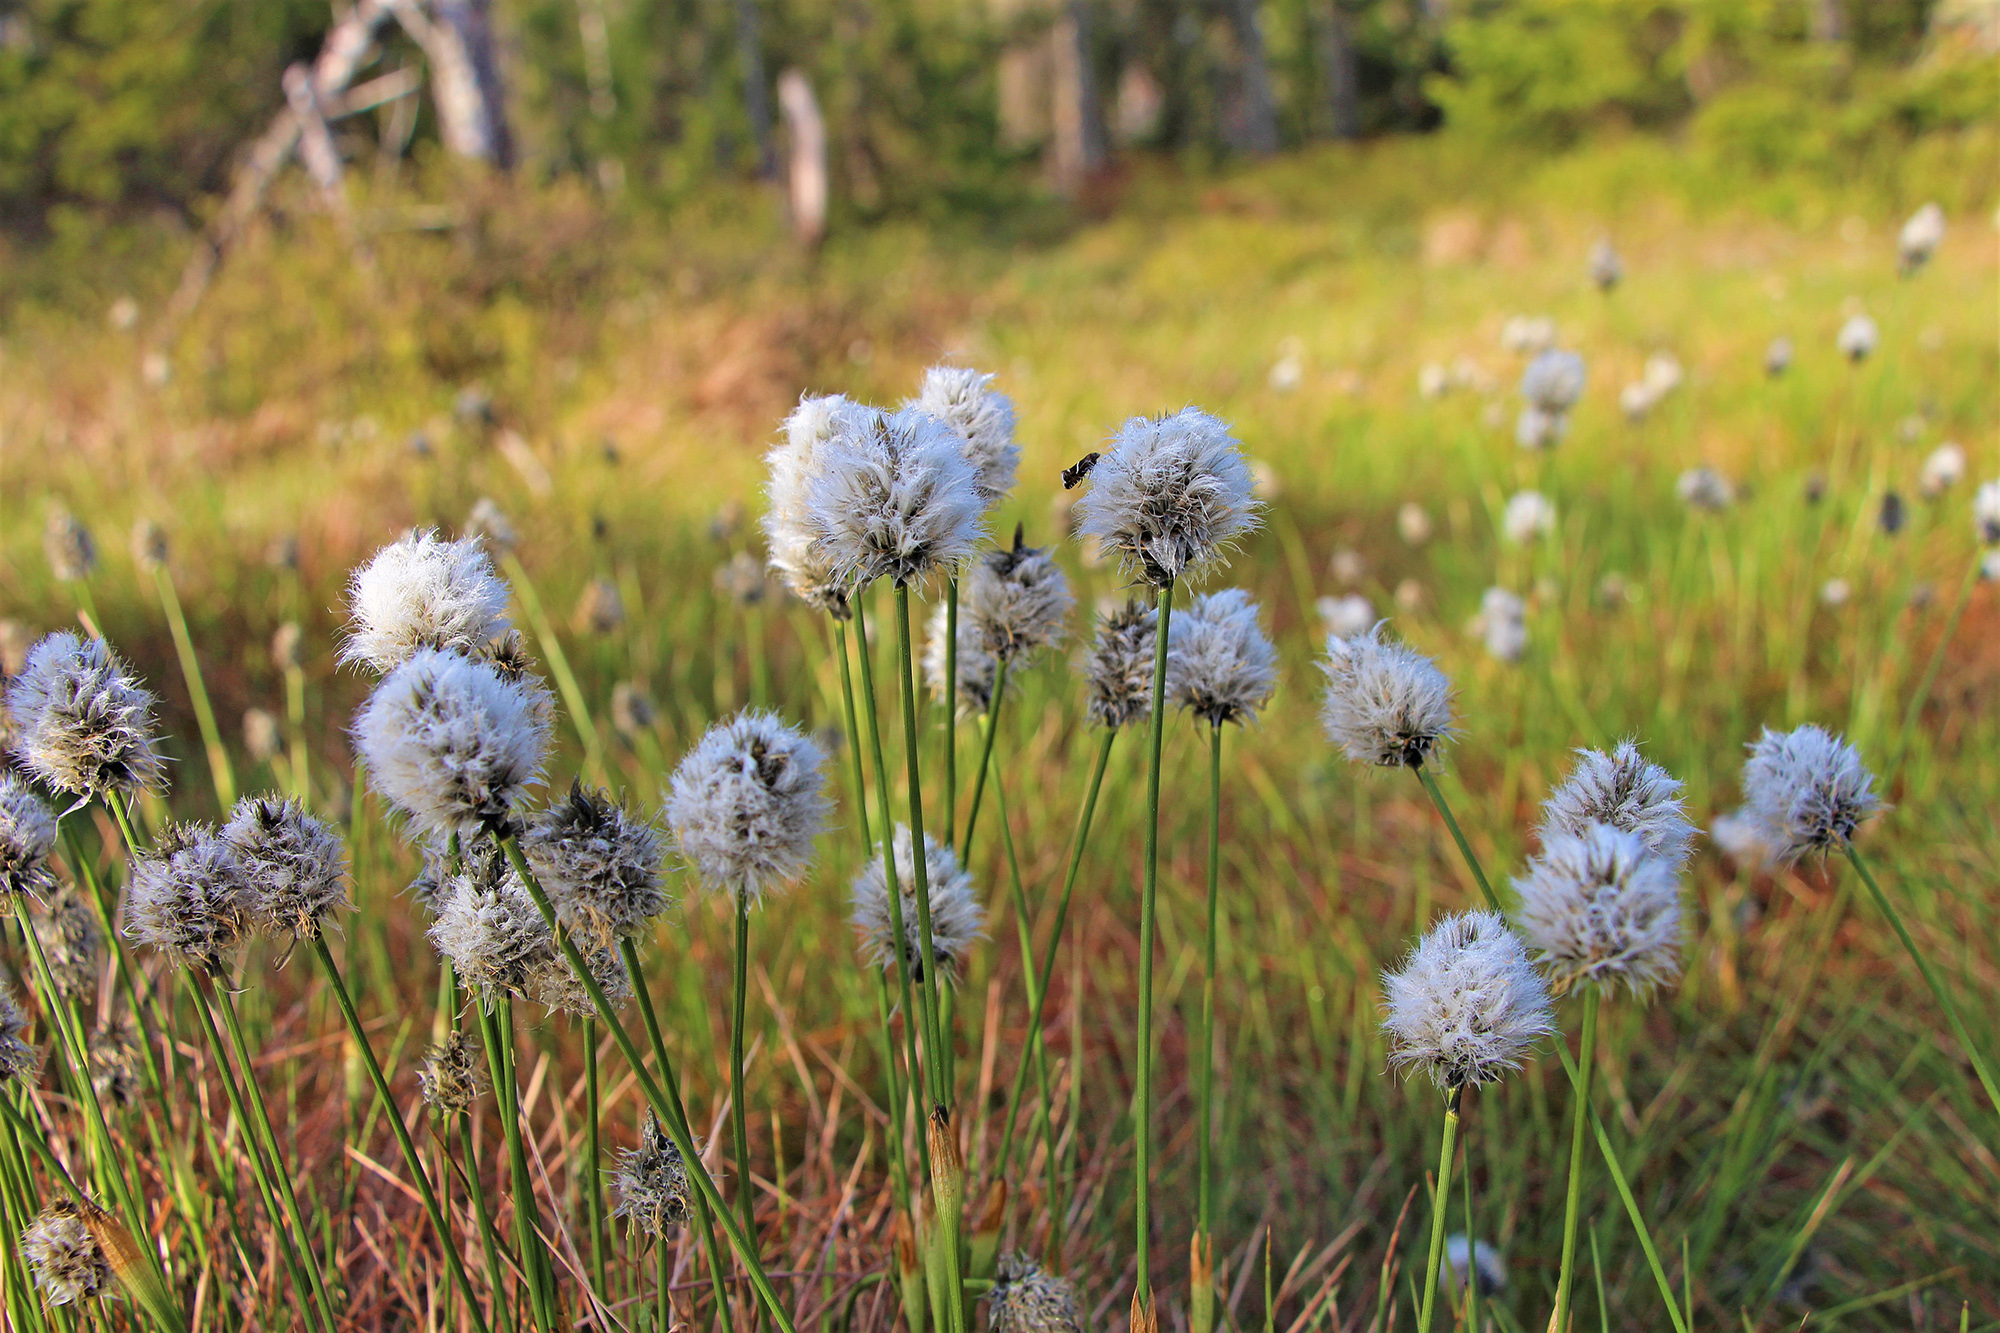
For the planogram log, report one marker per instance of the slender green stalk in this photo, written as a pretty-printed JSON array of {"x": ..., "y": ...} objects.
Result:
[
  {"x": 990, "y": 726},
  {"x": 1038, "y": 1048},
  {"x": 1586, "y": 1063},
  {"x": 1440, "y": 1197},
  {"x": 897, "y": 1166},
  {"x": 527, "y": 1237},
  {"x": 951, "y": 713},
  {"x": 853, "y": 736},
  {"x": 940, "y": 1085},
  {"x": 675, "y": 1121},
  {"x": 295, "y": 709},
  {"x": 593, "y": 1186},
  {"x": 204, "y": 713},
  {"x": 739, "y": 1118},
  {"x": 1471, "y": 1251},
  {"x": 1464, "y": 848},
  {"x": 1204, "y": 1297},
  {"x": 1945, "y": 1002},
  {"x": 545, "y": 635},
  {"x": 391, "y": 1113},
  {"x": 1142, "y": 1114},
  {"x": 489, "y": 1236}
]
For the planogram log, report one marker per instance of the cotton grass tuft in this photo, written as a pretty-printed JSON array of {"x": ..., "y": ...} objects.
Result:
[
  {"x": 1599, "y": 906},
  {"x": 423, "y": 592},
  {"x": 1386, "y": 704},
  {"x": 1170, "y": 495},
  {"x": 82, "y": 722},
  {"x": 1808, "y": 792},
  {"x": 1466, "y": 1007}
]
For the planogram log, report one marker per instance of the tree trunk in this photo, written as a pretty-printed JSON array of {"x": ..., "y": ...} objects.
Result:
[
  {"x": 756, "y": 98},
  {"x": 1079, "y": 151},
  {"x": 1343, "y": 76},
  {"x": 1829, "y": 23},
  {"x": 808, "y": 161},
  {"x": 1259, "y": 130},
  {"x": 457, "y": 40}
]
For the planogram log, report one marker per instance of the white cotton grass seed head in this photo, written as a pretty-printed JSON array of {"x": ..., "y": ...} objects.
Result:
[
  {"x": 1118, "y": 668},
  {"x": 1220, "y": 665},
  {"x": 423, "y": 592},
  {"x": 1627, "y": 791},
  {"x": 490, "y": 930},
  {"x": 791, "y": 529},
  {"x": 27, "y": 835},
  {"x": 957, "y": 919},
  {"x": 746, "y": 804},
  {"x": 977, "y": 663},
  {"x": 1017, "y": 599},
  {"x": 1344, "y": 617},
  {"x": 453, "y": 743},
  {"x": 1944, "y": 467},
  {"x": 1026, "y": 1298},
  {"x": 17, "y": 1058},
  {"x": 600, "y": 865},
  {"x": 449, "y": 1076},
  {"x": 1386, "y": 704},
  {"x": 1486, "y": 1263},
  {"x": 1919, "y": 238},
  {"x": 489, "y": 523},
  {"x": 294, "y": 866},
  {"x": 1808, "y": 791},
  {"x": 1605, "y": 266},
  {"x": 1466, "y": 1006},
  {"x": 1599, "y": 907},
  {"x": 1985, "y": 517},
  {"x": 1536, "y": 429},
  {"x": 891, "y": 496},
  {"x": 983, "y": 419},
  {"x": 1170, "y": 495},
  {"x": 73, "y": 942},
  {"x": 1553, "y": 381},
  {"x": 1503, "y": 624},
  {"x": 1705, "y": 490},
  {"x": 71, "y": 551},
  {"x": 82, "y": 722},
  {"x": 63, "y": 1256},
  {"x": 188, "y": 898},
  {"x": 649, "y": 1188},
  {"x": 1529, "y": 515},
  {"x": 1857, "y": 338}
]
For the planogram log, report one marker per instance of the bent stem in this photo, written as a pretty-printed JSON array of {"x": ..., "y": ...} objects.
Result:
[
  {"x": 1440, "y": 1198},
  {"x": 1424, "y": 776},
  {"x": 1142, "y": 1114},
  {"x": 1586, "y": 1062},
  {"x": 1950, "y": 1006}
]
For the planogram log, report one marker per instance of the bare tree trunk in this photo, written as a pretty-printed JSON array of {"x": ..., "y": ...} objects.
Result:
[
  {"x": 1078, "y": 120},
  {"x": 808, "y": 164},
  {"x": 1260, "y": 113},
  {"x": 756, "y": 98},
  {"x": 316, "y": 150},
  {"x": 1343, "y": 75},
  {"x": 457, "y": 40},
  {"x": 1829, "y": 23}
]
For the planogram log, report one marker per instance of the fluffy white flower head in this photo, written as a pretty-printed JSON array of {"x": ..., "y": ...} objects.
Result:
[
  {"x": 1627, "y": 791},
  {"x": 1386, "y": 704},
  {"x": 1503, "y": 623},
  {"x": 188, "y": 898},
  {"x": 1807, "y": 790},
  {"x": 1857, "y": 337},
  {"x": 453, "y": 742},
  {"x": 977, "y": 663},
  {"x": 1220, "y": 666},
  {"x": 423, "y": 592},
  {"x": 1536, "y": 429},
  {"x": 67, "y": 1263},
  {"x": 1985, "y": 515},
  {"x": 1778, "y": 356},
  {"x": 27, "y": 834},
  {"x": 957, "y": 919},
  {"x": 983, "y": 419},
  {"x": 1027, "y": 1299},
  {"x": 891, "y": 496},
  {"x": 1605, "y": 266},
  {"x": 82, "y": 722},
  {"x": 1018, "y": 599},
  {"x": 1529, "y": 515},
  {"x": 1705, "y": 489},
  {"x": 790, "y": 527},
  {"x": 294, "y": 866},
  {"x": 1944, "y": 468},
  {"x": 1600, "y": 907},
  {"x": 1118, "y": 669},
  {"x": 599, "y": 864},
  {"x": 1553, "y": 381},
  {"x": 746, "y": 804},
  {"x": 1466, "y": 1006},
  {"x": 1170, "y": 495},
  {"x": 1919, "y": 238}
]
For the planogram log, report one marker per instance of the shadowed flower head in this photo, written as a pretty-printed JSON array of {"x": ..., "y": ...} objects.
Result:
[
  {"x": 1118, "y": 670},
  {"x": 1626, "y": 791},
  {"x": 67, "y": 1264},
  {"x": 1599, "y": 906},
  {"x": 27, "y": 834},
  {"x": 1807, "y": 790},
  {"x": 82, "y": 722},
  {"x": 1605, "y": 266},
  {"x": 17, "y": 1058},
  {"x": 957, "y": 919},
  {"x": 453, "y": 742},
  {"x": 1386, "y": 704},
  {"x": 423, "y": 592},
  {"x": 1944, "y": 468},
  {"x": 791, "y": 528},
  {"x": 1536, "y": 429},
  {"x": 1220, "y": 666},
  {"x": 977, "y": 663},
  {"x": 68, "y": 545},
  {"x": 599, "y": 864},
  {"x": 1466, "y": 1006},
  {"x": 1529, "y": 515},
  {"x": 1170, "y": 495},
  {"x": 1985, "y": 514},
  {"x": 1553, "y": 381},
  {"x": 650, "y": 1187},
  {"x": 1026, "y": 1299},
  {"x": 892, "y": 497},
  {"x": 73, "y": 941},
  {"x": 1503, "y": 623},
  {"x": 1705, "y": 489},
  {"x": 1778, "y": 356},
  {"x": 117, "y": 1064},
  {"x": 490, "y": 523},
  {"x": 294, "y": 866},
  {"x": 495, "y": 937},
  {"x": 188, "y": 899},
  {"x": 1857, "y": 337},
  {"x": 149, "y": 546},
  {"x": 746, "y": 804},
  {"x": 449, "y": 1076},
  {"x": 983, "y": 419},
  {"x": 1919, "y": 238},
  {"x": 1017, "y": 599}
]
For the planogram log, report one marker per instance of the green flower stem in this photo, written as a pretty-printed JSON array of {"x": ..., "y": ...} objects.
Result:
[
  {"x": 1586, "y": 1063},
  {"x": 1038, "y": 1048},
  {"x": 629, "y": 952},
  {"x": 1204, "y": 1299},
  {"x": 1142, "y": 1114},
  {"x": 204, "y": 713},
  {"x": 489, "y": 1237},
  {"x": 527, "y": 1238},
  {"x": 440, "y": 1224},
  {"x": 853, "y": 736},
  {"x": 1945, "y": 1002},
  {"x": 906, "y": 687},
  {"x": 1038, "y": 991},
  {"x": 545, "y": 635},
  {"x": 295, "y": 710},
  {"x": 1471, "y": 1251},
  {"x": 1440, "y": 1197},
  {"x": 894, "y": 892},
  {"x": 1464, "y": 848},
  {"x": 951, "y": 714},
  {"x": 593, "y": 1195},
  {"x": 676, "y": 1125},
  {"x": 897, "y": 1166},
  {"x": 990, "y": 727},
  {"x": 1936, "y": 665},
  {"x": 739, "y": 1116}
]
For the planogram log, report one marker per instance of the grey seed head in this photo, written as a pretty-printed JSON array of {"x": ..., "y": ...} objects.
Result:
[
  {"x": 27, "y": 835},
  {"x": 1220, "y": 666},
  {"x": 747, "y": 802},
  {"x": 1385, "y": 704},
  {"x": 1467, "y": 1006},
  {"x": 188, "y": 898},
  {"x": 1025, "y": 1298},
  {"x": 1599, "y": 906},
  {"x": 1808, "y": 792},
  {"x": 1118, "y": 669},
  {"x": 957, "y": 918},
  {"x": 82, "y": 722},
  {"x": 1171, "y": 495},
  {"x": 294, "y": 866},
  {"x": 599, "y": 864},
  {"x": 649, "y": 1189},
  {"x": 67, "y": 1264},
  {"x": 449, "y": 1075},
  {"x": 1627, "y": 791}
]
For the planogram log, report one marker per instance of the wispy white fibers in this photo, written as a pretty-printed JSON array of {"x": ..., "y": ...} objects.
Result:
[
  {"x": 1919, "y": 238},
  {"x": 957, "y": 919},
  {"x": 1025, "y": 1298},
  {"x": 497, "y": 940},
  {"x": 82, "y": 722},
  {"x": 1857, "y": 337},
  {"x": 1017, "y": 600},
  {"x": 1944, "y": 468},
  {"x": 1466, "y": 1006},
  {"x": 423, "y": 592},
  {"x": 188, "y": 898},
  {"x": 65, "y": 1259},
  {"x": 1605, "y": 266},
  {"x": 1529, "y": 515},
  {"x": 983, "y": 419},
  {"x": 746, "y": 804},
  {"x": 1778, "y": 356},
  {"x": 1118, "y": 669},
  {"x": 1705, "y": 489},
  {"x": 1536, "y": 429},
  {"x": 1627, "y": 791},
  {"x": 1985, "y": 520},
  {"x": 294, "y": 866},
  {"x": 1807, "y": 790},
  {"x": 1553, "y": 381},
  {"x": 448, "y": 1076},
  {"x": 68, "y": 544},
  {"x": 1503, "y": 623},
  {"x": 452, "y": 742},
  {"x": 893, "y": 497},
  {"x": 1170, "y": 495},
  {"x": 650, "y": 1187},
  {"x": 1386, "y": 704},
  {"x": 791, "y": 530},
  {"x": 1599, "y": 906},
  {"x": 1220, "y": 666},
  {"x": 18, "y": 1059},
  {"x": 27, "y": 834},
  {"x": 599, "y": 865}
]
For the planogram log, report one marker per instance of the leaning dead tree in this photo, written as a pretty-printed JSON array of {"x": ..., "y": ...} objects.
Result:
[{"x": 456, "y": 38}]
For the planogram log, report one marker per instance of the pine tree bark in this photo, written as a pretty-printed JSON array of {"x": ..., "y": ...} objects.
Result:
[
  {"x": 1079, "y": 151},
  {"x": 1260, "y": 112}
]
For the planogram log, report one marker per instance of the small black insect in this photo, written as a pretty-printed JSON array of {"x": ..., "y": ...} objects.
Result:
[{"x": 1080, "y": 469}]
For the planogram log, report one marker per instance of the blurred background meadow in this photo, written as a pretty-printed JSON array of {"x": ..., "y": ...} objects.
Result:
[{"x": 573, "y": 262}]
